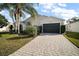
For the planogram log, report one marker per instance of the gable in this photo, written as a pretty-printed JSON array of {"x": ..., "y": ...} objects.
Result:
[{"x": 44, "y": 19}]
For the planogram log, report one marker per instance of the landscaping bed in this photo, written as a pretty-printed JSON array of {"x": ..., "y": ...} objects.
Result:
[
  {"x": 12, "y": 42},
  {"x": 73, "y": 37}
]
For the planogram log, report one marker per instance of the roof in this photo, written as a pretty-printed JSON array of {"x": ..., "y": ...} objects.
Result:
[
  {"x": 53, "y": 17},
  {"x": 27, "y": 20}
]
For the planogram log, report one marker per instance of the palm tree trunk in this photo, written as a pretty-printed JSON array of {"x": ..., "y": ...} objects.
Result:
[
  {"x": 17, "y": 12},
  {"x": 18, "y": 23},
  {"x": 14, "y": 22}
]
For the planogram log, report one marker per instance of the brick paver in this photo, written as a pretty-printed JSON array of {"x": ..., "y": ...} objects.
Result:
[{"x": 48, "y": 45}]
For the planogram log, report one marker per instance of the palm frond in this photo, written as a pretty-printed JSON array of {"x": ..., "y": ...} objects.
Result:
[
  {"x": 4, "y": 6},
  {"x": 31, "y": 11}
]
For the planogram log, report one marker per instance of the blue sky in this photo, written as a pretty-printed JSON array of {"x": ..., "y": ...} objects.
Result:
[{"x": 60, "y": 10}]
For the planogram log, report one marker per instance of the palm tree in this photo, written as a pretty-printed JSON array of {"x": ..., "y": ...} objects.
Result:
[
  {"x": 16, "y": 11},
  {"x": 3, "y": 20}
]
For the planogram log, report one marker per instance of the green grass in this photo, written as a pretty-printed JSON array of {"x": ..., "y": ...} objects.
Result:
[
  {"x": 8, "y": 46},
  {"x": 73, "y": 40},
  {"x": 7, "y": 35},
  {"x": 72, "y": 34}
]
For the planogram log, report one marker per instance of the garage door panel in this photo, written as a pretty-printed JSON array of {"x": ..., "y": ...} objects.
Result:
[{"x": 51, "y": 28}]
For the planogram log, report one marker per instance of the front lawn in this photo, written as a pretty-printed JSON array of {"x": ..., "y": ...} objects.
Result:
[
  {"x": 5, "y": 36},
  {"x": 8, "y": 46},
  {"x": 73, "y": 37}
]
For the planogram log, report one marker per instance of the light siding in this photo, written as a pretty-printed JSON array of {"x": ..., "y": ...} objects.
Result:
[
  {"x": 40, "y": 20},
  {"x": 44, "y": 20},
  {"x": 73, "y": 27}
]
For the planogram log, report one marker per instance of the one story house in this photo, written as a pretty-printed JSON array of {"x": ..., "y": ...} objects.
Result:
[
  {"x": 48, "y": 24},
  {"x": 5, "y": 28},
  {"x": 73, "y": 27}
]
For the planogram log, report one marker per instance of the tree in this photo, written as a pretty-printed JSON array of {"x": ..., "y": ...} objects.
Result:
[
  {"x": 3, "y": 21},
  {"x": 73, "y": 19},
  {"x": 16, "y": 11}
]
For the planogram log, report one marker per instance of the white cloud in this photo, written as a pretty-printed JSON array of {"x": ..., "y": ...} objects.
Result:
[
  {"x": 59, "y": 10},
  {"x": 65, "y": 13},
  {"x": 62, "y": 4},
  {"x": 44, "y": 11},
  {"x": 48, "y": 6}
]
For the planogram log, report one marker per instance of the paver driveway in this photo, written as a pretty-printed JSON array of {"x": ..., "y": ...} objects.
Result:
[{"x": 48, "y": 45}]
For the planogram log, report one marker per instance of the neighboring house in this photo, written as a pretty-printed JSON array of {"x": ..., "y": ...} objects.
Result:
[
  {"x": 5, "y": 28},
  {"x": 73, "y": 27},
  {"x": 48, "y": 24}
]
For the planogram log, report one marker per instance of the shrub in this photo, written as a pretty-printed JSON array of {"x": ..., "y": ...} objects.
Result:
[
  {"x": 31, "y": 30},
  {"x": 62, "y": 28},
  {"x": 11, "y": 28},
  {"x": 39, "y": 30},
  {"x": 0, "y": 35}
]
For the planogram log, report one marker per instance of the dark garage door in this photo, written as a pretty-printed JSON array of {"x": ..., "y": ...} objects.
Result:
[{"x": 51, "y": 28}]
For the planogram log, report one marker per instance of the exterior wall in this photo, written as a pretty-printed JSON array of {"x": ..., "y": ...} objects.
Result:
[
  {"x": 73, "y": 27},
  {"x": 5, "y": 28},
  {"x": 40, "y": 20},
  {"x": 43, "y": 20}
]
